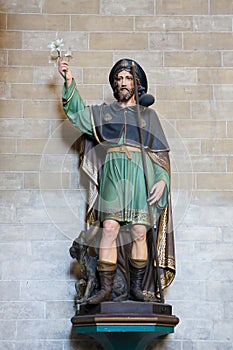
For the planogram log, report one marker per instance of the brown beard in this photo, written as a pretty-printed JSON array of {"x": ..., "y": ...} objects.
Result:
[{"x": 124, "y": 96}]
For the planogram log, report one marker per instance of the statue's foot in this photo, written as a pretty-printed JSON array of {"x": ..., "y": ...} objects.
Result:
[
  {"x": 139, "y": 296},
  {"x": 100, "y": 297}
]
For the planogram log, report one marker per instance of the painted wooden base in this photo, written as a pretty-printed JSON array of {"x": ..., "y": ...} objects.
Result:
[{"x": 125, "y": 325}]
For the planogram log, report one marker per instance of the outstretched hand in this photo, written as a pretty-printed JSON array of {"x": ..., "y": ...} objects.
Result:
[
  {"x": 63, "y": 69},
  {"x": 156, "y": 192}
]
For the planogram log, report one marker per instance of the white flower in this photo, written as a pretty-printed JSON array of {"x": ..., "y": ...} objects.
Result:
[
  {"x": 68, "y": 54},
  {"x": 55, "y": 47}
]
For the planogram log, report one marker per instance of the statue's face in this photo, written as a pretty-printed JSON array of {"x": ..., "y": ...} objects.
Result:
[{"x": 125, "y": 86}]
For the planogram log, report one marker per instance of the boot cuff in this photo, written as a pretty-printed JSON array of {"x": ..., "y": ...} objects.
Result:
[
  {"x": 105, "y": 266},
  {"x": 138, "y": 263}
]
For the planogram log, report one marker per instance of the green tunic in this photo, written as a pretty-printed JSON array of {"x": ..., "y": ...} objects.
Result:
[{"x": 122, "y": 192}]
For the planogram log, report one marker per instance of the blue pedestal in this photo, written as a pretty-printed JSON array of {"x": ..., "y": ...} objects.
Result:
[{"x": 115, "y": 337}]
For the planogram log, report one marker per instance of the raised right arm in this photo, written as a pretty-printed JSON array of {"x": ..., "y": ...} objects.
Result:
[{"x": 74, "y": 107}]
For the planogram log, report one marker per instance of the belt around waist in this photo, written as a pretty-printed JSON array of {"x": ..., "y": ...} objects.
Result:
[{"x": 124, "y": 149}]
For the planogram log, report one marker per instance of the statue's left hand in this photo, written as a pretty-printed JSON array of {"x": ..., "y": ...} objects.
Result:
[{"x": 156, "y": 192}]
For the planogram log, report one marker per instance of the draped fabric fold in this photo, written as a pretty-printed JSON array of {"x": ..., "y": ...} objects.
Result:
[{"x": 92, "y": 160}]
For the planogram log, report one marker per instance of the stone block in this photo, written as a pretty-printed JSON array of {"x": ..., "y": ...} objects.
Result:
[
  {"x": 38, "y": 40},
  {"x": 3, "y": 21},
  {"x": 198, "y": 233},
  {"x": 208, "y": 164},
  {"x": 5, "y": 90},
  {"x": 191, "y": 290},
  {"x": 59, "y": 163},
  {"x": 213, "y": 198},
  {"x": 20, "y": 162},
  {"x": 42, "y": 109},
  {"x": 186, "y": 92},
  {"x": 145, "y": 58},
  {"x": 172, "y": 109},
  {"x": 219, "y": 147},
  {"x": 198, "y": 309},
  {"x": 199, "y": 329},
  {"x": 47, "y": 290},
  {"x": 15, "y": 75},
  {"x": 10, "y": 40},
  {"x": 43, "y": 329},
  {"x": 165, "y": 41},
  {"x": 59, "y": 309},
  {"x": 9, "y": 290},
  {"x": 30, "y": 232},
  {"x": 17, "y": 6},
  {"x": 163, "y": 23},
  {"x": 227, "y": 234},
  {"x": 205, "y": 251},
  {"x": 71, "y": 7},
  {"x": 7, "y": 329},
  {"x": 213, "y": 216},
  {"x": 201, "y": 129},
  {"x": 207, "y": 41},
  {"x": 20, "y": 198},
  {"x": 212, "y": 110},
  {"x": 222, "y": 291},
  {"x": 7, "y": 145},
  {"x": 13, "y": 251},
  {"x": 35, "y": 91},
  {"x": 37, "y": 22},
  {"x": 212, "y": 23},
  {"x": 3, "y": 57},
  {"x": 7, "y": 215},
  {"x": 211, "y": 269},
  {"x": 47, "y": 181},
  {"x": 39, "y": 269},
  {"x": 95, "y": 76},
  {"x": 32, "y": 344},
  {"x": 227, "y": 58},
  {"x": 229, "y": 164},
  {"x": 22, "y": 310},
  {"x": 181, "y": 7},
  {"x": 28, "y": 58},
  {"x": 182, "y": 182},
  {"x": 192, "y": 59},
  {"x": 102, "y": 23},
  {"x": 172, "y": 76},
  {"x": 215, "y": 181},
  {"x": 11, "y": 181},
  {"x": 90, "y": 92},
  {"x": 223, "y": 7},
  {"x": 111, "y": 7},
  {"x": 10, "y": 108},
  {"x": 223, "y": 93},
  {"x": 88, "y": 59},
  {"x": 230, "y": 129},
  {"x": 228, "y": 309},
  {"x": 215, "y": 76},
  {"x": 118, "y": 41},
  {"x": 206, "y": 345},
  {"x": 50, "y": 251}
]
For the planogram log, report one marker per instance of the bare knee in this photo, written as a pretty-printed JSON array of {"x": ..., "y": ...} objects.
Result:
[
  {"x": 110, "y": 229},
  {"x": 139, "y": 233}
]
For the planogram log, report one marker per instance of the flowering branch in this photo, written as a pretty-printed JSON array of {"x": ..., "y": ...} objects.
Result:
[
  {"x": 55, "y": 52},
  {"x": 55, "y": 49}
]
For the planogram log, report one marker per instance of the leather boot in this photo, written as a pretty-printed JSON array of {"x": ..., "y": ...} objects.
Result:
[
  {"x": 137, "y": 271},
  {"x": 107, "y": 271}
]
